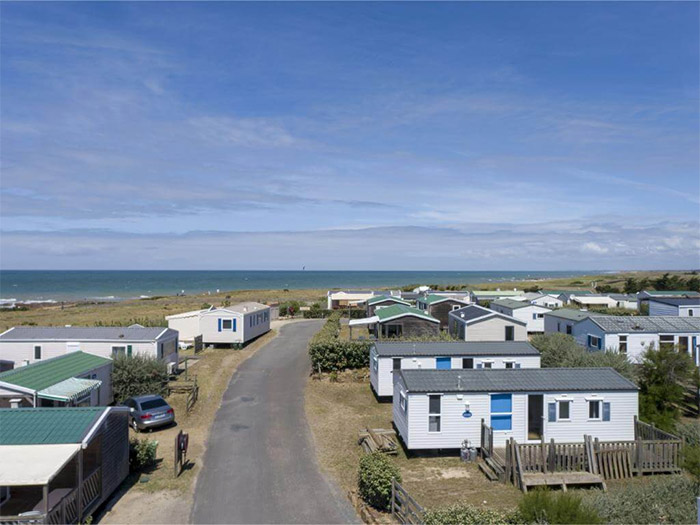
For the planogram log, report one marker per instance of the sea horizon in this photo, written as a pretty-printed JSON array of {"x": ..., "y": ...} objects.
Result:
[{"x": 115, "y": 285}]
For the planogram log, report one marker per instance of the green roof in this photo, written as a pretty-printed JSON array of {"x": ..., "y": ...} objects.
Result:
[
  {"x": 43, "y": 374},
  {"x": 434, "y": 298},
  {"x": 45, "y": 426},
  {"x": 380, "y": 298},
  {"x": 399, "y": 310},
  {"x": 572, "y": 315}
]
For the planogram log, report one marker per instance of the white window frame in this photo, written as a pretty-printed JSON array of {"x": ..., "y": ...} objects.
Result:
[
  {"x": 457, "y": 307},
  {"x": 507, "y": 362},
  {"x": 403, "y": 401},
  {"x": 600, "y": 409},
  {"x": 485, "y": 362},
  {"x": 595, "y": 338},
  {"x": 41, "y": 353},
  {"x": 620, "y": 342},
  {"x": 118, "y": 347},
  {"x": 230, "y": 321},
  {"x": 437, "y": 414},
  {"x": 375, "y": 363},
  {"x": 559, "y": 403}
]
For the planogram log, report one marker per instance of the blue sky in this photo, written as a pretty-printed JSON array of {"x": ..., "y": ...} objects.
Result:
[{"x": 443, "y": 136}]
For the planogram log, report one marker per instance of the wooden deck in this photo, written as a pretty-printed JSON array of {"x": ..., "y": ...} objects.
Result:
[{"x": 561, "y": 479}]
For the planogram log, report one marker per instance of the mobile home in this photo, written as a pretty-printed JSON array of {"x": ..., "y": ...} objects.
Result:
[
  {"x": 476, "y": 323},
  {"x": 28, "y": 344},
  {"x": 74, "y": 379},
  {"x": 439, "y": 306},
  {"x": 232, "y": 325},
  {"x": 632, "y": 335},
  {"x": 382, "y": 301},
  {"x": 440, "y": 409},
  {"x": 386, "y": 358},
  {"x": 563, "y": 320},
  {"x": 531, "y": 314},
  {"x": 675, "y": 306}
]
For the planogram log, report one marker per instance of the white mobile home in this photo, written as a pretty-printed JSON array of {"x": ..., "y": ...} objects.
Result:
[
  {"x": 235, "y": 325},
  {"x": 632, "y": 335},
  {"x": 626, "y": 301},
  {"x": 675, "y": 306},
  {"x": 531, "y": 314},
  {"x": 387, "y": 358},
  {"x": 546, "y": 300},
  {"x": 27, "y": 344},
  {"x": 563, "y": 320},
  {"x": 74, "y": 379},
  {"x": 350, "y": 298},
  {"x": 439, "y": 409},
  {"x": 476, "y": 323}
]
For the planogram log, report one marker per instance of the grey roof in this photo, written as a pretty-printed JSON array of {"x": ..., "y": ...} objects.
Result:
[
  {"x": 571, "y": 315},
  {"x": 494, "y": 348},
  {"x": 510, "y": 303},
  {"x": 516, "y": 380},
  {"x": 640, "y": 323},
  {"x": 649, "y": 294},
  {"x": 622, "y": 296},
  {"x": 475, "y": 313},
  {"x": 84, "y": 333},
  {"x": 677, "y": 301}
]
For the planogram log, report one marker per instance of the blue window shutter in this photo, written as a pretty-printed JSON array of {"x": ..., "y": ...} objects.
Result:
[
  {"x": 600, "y": 343},
  {"x": 517, "y": 365},
  {"x": 606, "y": 411},
  {"x": 128, "y": 350},
  {"x": 501, "y": 403},
  {"x": 219, "y": 325},
  {"x": 443, "y": 363},
  {"x": 234, "y": 325},
  {"x": 504, "y": 422},
  {"x": 552, "y": 410},
  {"x": 479, "y": 365},
  {"x": 590, "y": 344}
]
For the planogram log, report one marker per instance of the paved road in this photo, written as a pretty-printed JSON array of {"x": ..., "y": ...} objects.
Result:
[{"x": 260, "y": 465}]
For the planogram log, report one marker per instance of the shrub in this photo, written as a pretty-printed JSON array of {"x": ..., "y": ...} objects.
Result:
[
  {"x": 663, "y": 499},
  {"x": 689, "y": 433},
  {"x": 465, "y": 514},
  {"x": 691, "y": 461},
  {"x": 374, "y": 479},
  {"x": 142, "y": 454},
  {"x": 138, "y": 375},
  {"x": 544, "y": 506}
]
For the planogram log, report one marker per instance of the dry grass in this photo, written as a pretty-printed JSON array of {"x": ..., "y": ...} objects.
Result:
[
  {"x": 89, "y": 314},
  {"x": 337, "y": 411}
]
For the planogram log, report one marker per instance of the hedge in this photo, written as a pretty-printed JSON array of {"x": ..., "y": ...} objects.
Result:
[
  {"x": 374, "y": 479},
  {"x": 465, "y": 514},
  {"x": 138, "y": 375},
  {"x": 330, "y": 354}
]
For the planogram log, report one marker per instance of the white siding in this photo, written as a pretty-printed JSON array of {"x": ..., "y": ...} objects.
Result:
[
  {"x": 548, "y": 301},
  {"x": 209, "y": 327},
  {"x": 455, "y": 428},
  {"x": 491, "y": 329},
  {"x": 526, "y": 315},
  {"x": 383, "y": 382},
  {"x": 187, "y": 327}
]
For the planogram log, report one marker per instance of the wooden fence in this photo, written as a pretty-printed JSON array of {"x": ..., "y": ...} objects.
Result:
[
  {"x": 403, "y": 507},
  {"x": 486, "y": 440},
  {"x": 192, "y": 396}
]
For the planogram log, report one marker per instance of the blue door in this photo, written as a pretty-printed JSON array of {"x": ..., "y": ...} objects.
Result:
[{"x": 443, "y": 363}]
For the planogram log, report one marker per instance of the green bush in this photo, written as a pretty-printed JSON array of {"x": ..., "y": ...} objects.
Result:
[
  {"x": 142, "y": 454},
  {"x": 662, "y": 499},
  {"x": 689, "y": 433},
  {"x": 329, "y": 354},
  {"x": 562, "y": 350},
  {"x": 544, "y": 506},
  {"x": 374, "y": 480},
  {"x": 138, "y": 375},
  {"x": 465, "y": 514}
]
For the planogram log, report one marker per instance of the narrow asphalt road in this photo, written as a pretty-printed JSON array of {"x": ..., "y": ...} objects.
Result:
[{"x": 260, "y": 464}]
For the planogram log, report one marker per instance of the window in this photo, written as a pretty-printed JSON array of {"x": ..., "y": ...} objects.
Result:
[
  {"x": 510, "y": 364},
  {"x": 457, "y": 307},
  {"x": 558, "y": 326},
  {"x": 666, "y": 342},
  {"x": 37, "y": 352},
  {"x": 537, "y": 316},
  {"x": 568, "y": 329},
  {"x": 594, "y": 342},
  {"x": 622, "y": 347},
  {"x": 4, "y": 494},
  {"x": 468, "y": 362},
  {"x": 501, "y": 412},
  {"x": 118, "y": 350},
  {"x": 402, "y": 401},
  {"x": 594, "y": 409},
  {"x": 434, "y": 416},
  {"x": 396, "y": 363},
  {"x": 690, "y": 312},
  {"x": 488, "y": 364},
  {"x": 510, "y": 333},
  {"x": 375, "y": 363},
  {"x": 394, "y": 330},
  {"x": 227, "y": 324},
  {"x": 564, "y": 409}
]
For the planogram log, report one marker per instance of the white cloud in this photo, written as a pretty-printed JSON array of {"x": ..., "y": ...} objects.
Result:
[{"x": 594, "y": 247}]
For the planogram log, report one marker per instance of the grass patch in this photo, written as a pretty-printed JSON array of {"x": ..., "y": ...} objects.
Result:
[{"x": 338, "y": 411}]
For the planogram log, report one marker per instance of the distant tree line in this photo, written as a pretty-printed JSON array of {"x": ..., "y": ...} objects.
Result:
[{"x": 665, "y": 282}]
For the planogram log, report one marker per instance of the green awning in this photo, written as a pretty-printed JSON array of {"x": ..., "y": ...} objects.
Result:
[{"x": 70, "y": 389}]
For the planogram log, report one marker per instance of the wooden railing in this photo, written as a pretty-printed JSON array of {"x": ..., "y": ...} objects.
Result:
[
  {"x": 486, "y": 440},
  {"x": 404, "y": 508},
  {"x": 648, "y": 432},
  {"x": 92, "y": 488},
  {"x": 21, "y": 520},
  {"x": 66, "y": 511}
]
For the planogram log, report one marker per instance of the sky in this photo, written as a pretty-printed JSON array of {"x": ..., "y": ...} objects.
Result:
[{"x": 357, "y": 136}]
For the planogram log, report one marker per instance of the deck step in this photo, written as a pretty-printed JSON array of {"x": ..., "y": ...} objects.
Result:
[
  {"x": 488, "y": 472},
  {"x": 495, "y": 466}
]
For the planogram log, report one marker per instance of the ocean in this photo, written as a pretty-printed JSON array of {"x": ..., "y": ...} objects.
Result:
[{"x": 54, "y": 285}]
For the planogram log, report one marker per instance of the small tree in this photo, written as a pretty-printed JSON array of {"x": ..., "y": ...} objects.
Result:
[
  {"x": 662, "y": 375},
  {"x": 138, "y": 375}
]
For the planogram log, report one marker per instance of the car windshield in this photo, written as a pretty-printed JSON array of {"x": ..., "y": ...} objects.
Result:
[{"x": 153, "y": 403}]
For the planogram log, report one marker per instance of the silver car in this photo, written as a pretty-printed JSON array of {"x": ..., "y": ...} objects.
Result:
[{"x": 148, "y": 412}]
